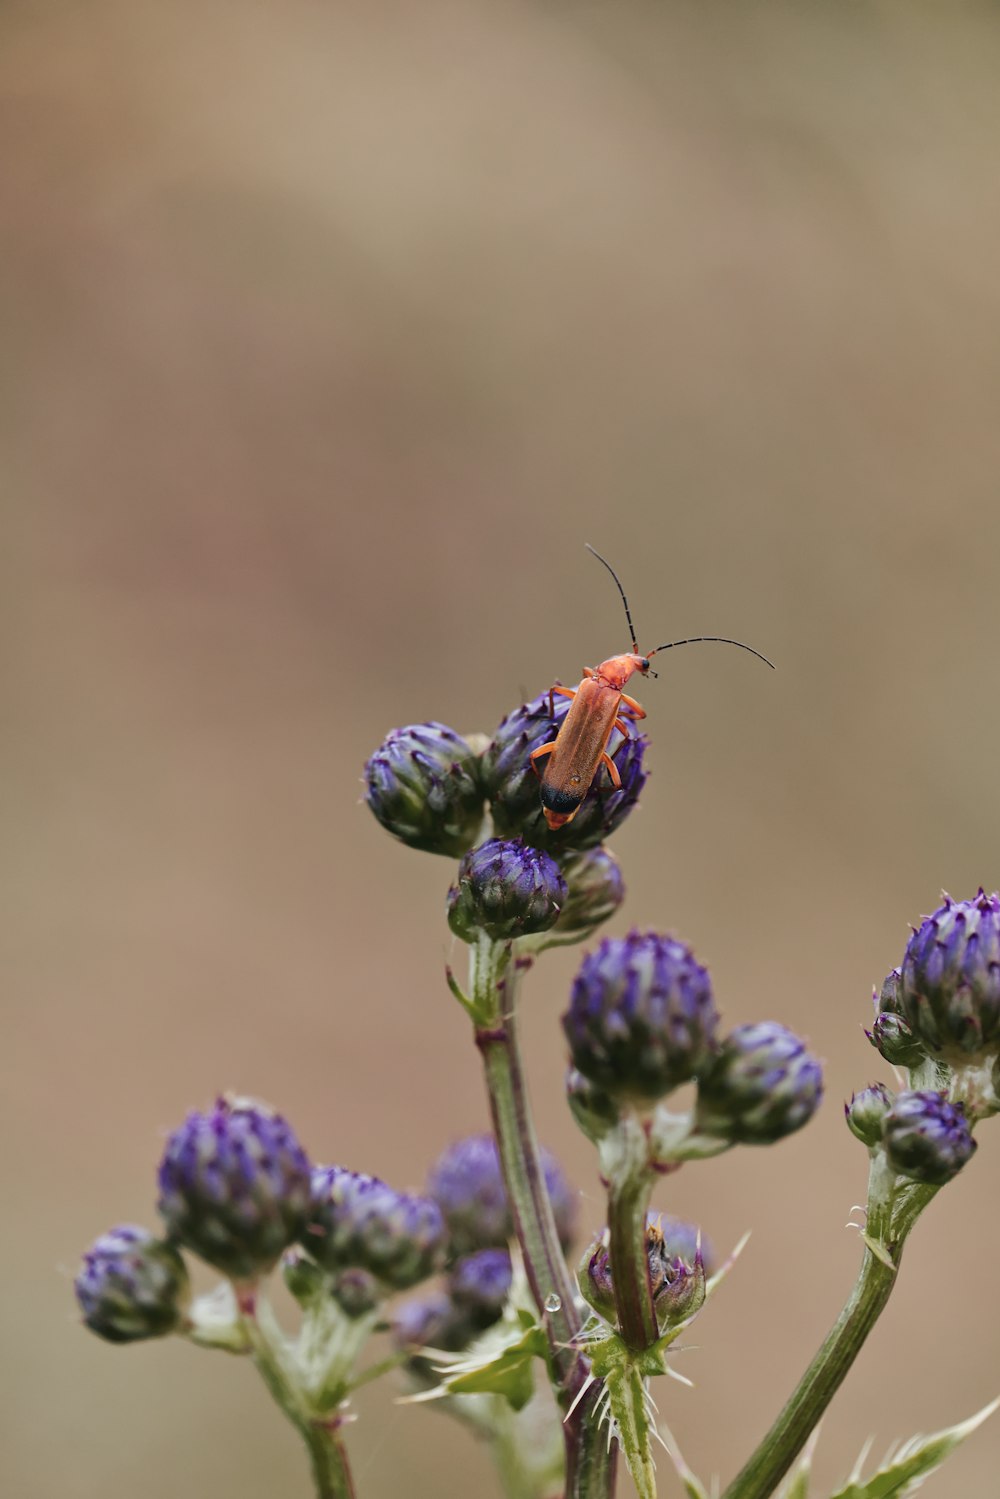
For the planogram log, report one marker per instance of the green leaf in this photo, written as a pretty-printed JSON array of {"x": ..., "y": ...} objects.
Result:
[
  {"x": 905, "y": 1470},
  {"x": 693, "y": 1486},
  {"x": 510, "y": 1374}
]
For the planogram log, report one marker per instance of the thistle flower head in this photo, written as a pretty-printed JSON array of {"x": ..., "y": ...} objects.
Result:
[
  {"x": 926, "y": 1137},
  {"x": 479, "y": 1285},
  {"x": 467, "y": 1184},
  {"x": 234, "y": 1186},
  {"x": 866, "y": 1112},
  {"x": 594, "y": 890},
  {"x": 423, "y": 786},
  {"x": 505, "y": 889},
  {"x": 132, "y": 1286},
  {"x": 762, "y": 1085},
  {"x": 949, "y": 992},
  {"x": 676, "y": 1266},
  {"x": 512, "y": 785},
  {"x": 431, "y": 1320},
  {"x": 356, "y": 1292},
  {"x": 641, "y": 1016},
  {"x": 357, "y": 1222}
]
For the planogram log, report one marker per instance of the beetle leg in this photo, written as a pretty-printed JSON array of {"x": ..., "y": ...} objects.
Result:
[
  {"x": 569, "y": 692},
  {"x": 616, "y": 779},
  {"x": 543, "y": 749},
  {"x": 636, "y": 709},
  {"x": 621, "y": 724}
]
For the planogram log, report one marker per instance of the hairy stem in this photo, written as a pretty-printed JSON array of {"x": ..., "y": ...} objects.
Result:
[
  {"x": 628, "y": 1199},
  {"x": 493, "y": 979},
  {"x": 331, "y": 1474}
]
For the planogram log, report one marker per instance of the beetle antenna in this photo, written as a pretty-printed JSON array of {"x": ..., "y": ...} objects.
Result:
[
  {"x": 628, "y": 612},
  {"x": 723, "y": 640}
]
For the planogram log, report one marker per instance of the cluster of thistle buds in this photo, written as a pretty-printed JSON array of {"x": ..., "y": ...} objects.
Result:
[{"x": 481, "y": 1253}]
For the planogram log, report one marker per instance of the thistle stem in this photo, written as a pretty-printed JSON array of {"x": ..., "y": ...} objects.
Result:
[
  {"x": 628, "y": 1199},
  {"x": 331, "y": 1474},
  {"x": 493, "y": 979},
  {"x": 889, "y": 1222}
]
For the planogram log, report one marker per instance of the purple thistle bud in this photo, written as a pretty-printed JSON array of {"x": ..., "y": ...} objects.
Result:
[
  {"x": 234, "y": 1186},
  {"x": 676, "y": 1267},
  {"x": 641, "y": 1017},
  {"x": 866, "y": 1112},
  {"x": 132, "y": 1286},
  {"x": 927, "y": 1138},
  {"x": 467, "y": 1184},
  {"x": 595, "y": 1111},
  {"x": 423, "y": 786},
  {"x": 513, "y": 788},
  {"x": 595, "y": 890},
  {"x": 762, "y": 1085},
  {"x": 950, "y": 979},
  {"x": 505, "y": 889},
  {"x": 479, "y": 1285},
  {"x": 358, "y": 1222},
  {"x": 431, "y": 1320},
  {"x": 356, "y": 1292}
]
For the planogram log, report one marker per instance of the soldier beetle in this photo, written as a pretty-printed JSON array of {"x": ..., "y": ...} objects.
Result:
[{"x": 599, "y": 705}]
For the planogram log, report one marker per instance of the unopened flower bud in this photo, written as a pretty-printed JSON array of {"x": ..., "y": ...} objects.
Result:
[
  {"x": 356, "y": 1292},
  {"x": 132, "y": 1286},
  {"x": 594, "y": 1110},
  {"x": 467, "y": 1184},
  {"x": 866, "y": 1112},
  {"x": 303, "y": 1277},
  {"x": 513, "y": 787},
  {"x": 358, "y": 1222},
  {"x": 926, "y": 1137},
  {"x": 234, "y": 1186},
  {"x": 431, "y": 1320},
  {"x": 505, "y": 889},
  {"x": 950, "y": 989},
  {"x": 479, "y": 1285},
  {"x": 595, "y": 890},
  {"x": 641, "y": 1017},
  {"x": 676, "y": 1269},
  {"x": 893, "y": 1038},
  {"x": 423, "y": 786},
  {"x": 762, "y": 1085}
]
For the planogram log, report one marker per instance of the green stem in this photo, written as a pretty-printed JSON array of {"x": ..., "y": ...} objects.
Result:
[
  {"x": 891, "y": 1216},
  {"x": 628, "y": 1199},
  {"x": 331, "y": 1474},
  {"x": 492, "y": 979}
]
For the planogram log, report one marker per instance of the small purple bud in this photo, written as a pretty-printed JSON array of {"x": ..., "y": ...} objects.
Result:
[
  {"x": 423, "y": 786},
  {"x": 431, "y": 1320},
  {"x": 595, "y": 890},
  {"x": 356, "y": 1292},
  {"x": 927, "y": 1138},
  {"x": 358, "y": 1222},
  {"x": 132, "y": 1286},
  {"x": 505, "y": 889},
  {"x": 513, "y": 787},
  {"x": 467, "y": 1184},
  {"x": 641, "y": 1017},
  {"x": 676, "y": 1267},
  {"x": 479, "y": 1285},
  {"x": 950, "y": 979},
  {"x": 866, "y": 1112},
  {"x": 234, "y": 1186},
  {"x": 762, "y": 1085}
]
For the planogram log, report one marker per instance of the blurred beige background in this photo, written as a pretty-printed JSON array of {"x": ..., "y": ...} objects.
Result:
[{"x": 330, "y": 333}]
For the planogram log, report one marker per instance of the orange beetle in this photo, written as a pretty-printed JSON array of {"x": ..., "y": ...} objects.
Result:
[{"x": 599, "y": 705}]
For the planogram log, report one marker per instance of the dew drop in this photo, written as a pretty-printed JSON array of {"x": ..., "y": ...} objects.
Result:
[{"x": 552, "y": 1302}]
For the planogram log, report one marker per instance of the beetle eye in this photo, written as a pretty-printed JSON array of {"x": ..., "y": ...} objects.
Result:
[{"x": 644, "y": 664}]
